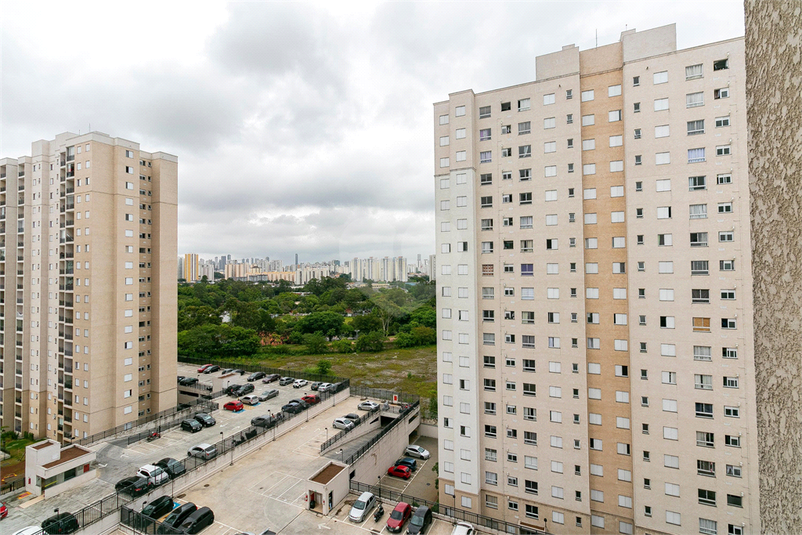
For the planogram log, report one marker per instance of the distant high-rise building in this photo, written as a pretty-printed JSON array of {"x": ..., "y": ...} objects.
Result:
[
  {"x": 296, "y": 260},
  {"x": 596, "y": 347},
  {"x": 88, "y": 269},
  {"x": 191, "y": 267}
]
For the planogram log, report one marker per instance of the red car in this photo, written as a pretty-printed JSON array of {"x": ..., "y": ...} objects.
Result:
[
  {"x": 234, "y": 406},
  {"x": 203, "y": 368},
  {"x": 311, "y": 400},
  {"x": 3, "y": 510},
  {"x": 400, "y": 471},
  {"x": 399, "y": 517}
]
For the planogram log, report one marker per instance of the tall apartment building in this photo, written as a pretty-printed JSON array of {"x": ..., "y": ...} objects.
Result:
[
  {"x": 595, "y": 361},
  {"x": 87, "y": 285},
  {"x": 191, "y": 267}
]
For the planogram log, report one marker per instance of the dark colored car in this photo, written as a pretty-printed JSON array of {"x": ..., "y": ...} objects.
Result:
[
  {"x": 354, "y": 418},
  {"x": 180, "y": 377},
  {"x": 409, "y": 462},
  {"x": 191, "y": 425},
  {"x": 158, "y": 507},
  {"x": 134, "y": 486},
  {"x": 271, "y": 378},
  {"x": 188, "y": 381},
  {"x": 267, "y": 421},
  {"x": 399, "y": 517},
  {"x": 61, "y": 523},
  {"x": 244, "y": 389},
  {"x": 294, "y": 406},
  {"x": 226, "y": 370},
  {"x": 315, "y": 385},
  {"x": 230, "y": 389},
  {"x": 255, "y": 376},
  {"x": 177, "y": 517},
  {"x": 211, "y": 369},
  {"x": 420, "y": 521},
  {"x": 171, "y": 466},
  {"x": 197, "y": 521},
  {"x": 234, "y": 406},
  {"x": 286, "y": 381},
  {"x": 311, "y": 399},
  {"x": 205, "y": 420},
  {"x": 400, "y": 471},
  {"x": 241, "y": 372}
]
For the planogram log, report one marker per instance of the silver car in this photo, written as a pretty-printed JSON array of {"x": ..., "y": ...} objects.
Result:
[
  {"x": 268, "y": 394},
  {"x": 362, "y": 507},
  {"x": 203, "y": 451},
  {"x": 417, "y": 451}
]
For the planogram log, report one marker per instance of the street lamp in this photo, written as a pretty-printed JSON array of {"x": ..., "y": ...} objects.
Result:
[
  {"x": 342, "y": 456},
  {"x": 380, "y": 486},
  {"x": 327, "y": 433}
]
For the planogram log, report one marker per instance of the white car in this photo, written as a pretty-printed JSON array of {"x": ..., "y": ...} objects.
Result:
[
  {"x": 343, "y": 423},
  {"x": 463, "y": 528},
  {"x": 30, "y": 530},
  {"x": 299, "y": 383},
  {"x": 368, "y": 406},
  {"x": 362, "y": 507},
  {"x": 154, "y": 474},
  {"x": 323, "y": 387},
  {"x": 250, "y": 399},
  {"x": 417, "y": 451}
]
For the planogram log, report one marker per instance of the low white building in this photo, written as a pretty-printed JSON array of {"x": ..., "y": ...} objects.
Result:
[{"x": 51, "y": 469}]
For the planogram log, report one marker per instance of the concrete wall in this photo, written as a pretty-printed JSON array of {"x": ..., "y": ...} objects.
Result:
[
  {"x": 774, "y": 118},
  {"x": 427, "y": 430},
  {"x": 375, "y": 462}
]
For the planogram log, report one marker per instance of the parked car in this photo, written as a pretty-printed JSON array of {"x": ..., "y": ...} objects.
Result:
[
  {"x": 191, "y": 425},
  {"x": 300, "y": 383},
  {"x": 311, "y": 399},
  {"x": 400, "y": 471},
  {"x": 315, "y": 385},
  {"x": 3, "y": 510},
  {"x": 188, "y": 381},
  {"x": 285, "y": 381},
  {"x": 421, "y": 519},
  {"x": 154, "y": 474},
  {"x": 203, "y": 368},
  {"x": 354, "y": 418},
  {"x": 211, "y": 369},
  {"x": 323, "y": 387},
  {"x": 30, "y": 530},
  {"x": 134, "y": 486},
  {"x": 205, "y": 420},
  {"x": 60, "y": 523},
  {"x": 399, "y": 517},
  {"x": 293, "y": 407},
  {"x": 159, "y": 507},
  {"x": 362, "y": 507},
  {"x": 267, "y": 421},
  {"x": 230, "y": 389},
  {"x": 417, "y": 451},
  {"x": 268, "y": 394},
  {"x": 177, "y": 517},
  {"x": 233, "y": 406},
  {"x": 463, "y": 528},
  {"x": 225, "y": 371},
  {"x": 203, "y": 451},
  {"x": 244, "y": 389},
  {"x": 250, "y": 399},
  {"x": 180, "y": 377},
  {"x": 368, "y": 406},
  {"x": 255, "y": 376},
  {"x": 173, "y": 467},
  {"x": 343, "y": 423},
  {"x": 241, "y": 372},
  {"x": 271, "y": 377},
  {"x": 197, "y": 521},
  {"x": 409, "y": 462}
]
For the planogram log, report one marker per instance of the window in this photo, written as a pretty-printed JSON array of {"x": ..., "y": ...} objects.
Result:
[
  {"x": 485, "y": 134},
  {"x": 692, "y": 100},
  {"x": 523, "y": 104},
  {"x": 588, "y": 120},
  {"x": 722, "y": 121},
  {"x": 526, "y": 222},
  {"x": 484, "y": 112},
  {"x": 696, "y": 127},
  {"x": 693, "y": 71},
  {"x": 616, "y": 141},
  {"x": 732, "y": 441},
  {"x": 665, "y": 240},
  {"x": 444, "y": 141},
  {"x": 549, "y": 146},
  {"x": 444, "y": 119},
  {"x": 613, "y": 116},
  {"x": 661, "y": 131},
  {"x": 486, "y": 202},
  {"x": 701, "y": 295},
  {"x": 699, "y": 267},
  {"x": 697, "y": 183},
  {"x": 663, "y": 212},
  {"x": 704, "y": 410},
  {"x": 707, "y": 497},
  {"x": 525, "y": 151},
  {"x": 636, "y": 107},
  {"x": 660, "y": 77},
  {"x": 724, "y": 92},
  {"x": 723, "y": 150},
  {"x": 662, "y": 158},
  {"x": 704, "y": 439},
  {"x": 733, "y": 471},
  {"x": 525, "y": 127},
  {"x": 548, "y": 123},
  {"x": 588, "y": 144},
  {"x": 732, "y": 412},
  {"x": 721, "y": 64},
  {"x": 701, "y": 325},
  {"x": 459, "y": 111},
  {"x": 696, "y": 155},
  {"x": 461, "y": 133},
  {"x": 698, "y": 211},
  {"x": 484, "y": 156},
  {"x": 660, "y": 104},
  {"x": 587, "y": 95}
]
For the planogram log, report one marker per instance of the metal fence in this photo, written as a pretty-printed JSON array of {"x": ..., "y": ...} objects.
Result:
[
  {"x": 361, "y": 451},
  {"x": 364, "y": 418},
  {"x": 202, "y": 405},
  {"x": 12, "y": 484},
  {"x": 380, "y": 393},
  {"x": 314, "y": 377},
  {"x": 391, "y": 495},
  {"x": 179, "y": 410},
  {"x": 144, "y": 524}
]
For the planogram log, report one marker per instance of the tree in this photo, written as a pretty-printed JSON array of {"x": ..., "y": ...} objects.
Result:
[
  {"x": 323, "y": 367},
  {"x": 366, "y": 323},
  {"x": 330, "y": 323},
  {"x": 315, "y": 343},
  {"x": 388, "y": 306},
  {"x": 372, "y": 342},
  {"x": 425, "y": 315}
]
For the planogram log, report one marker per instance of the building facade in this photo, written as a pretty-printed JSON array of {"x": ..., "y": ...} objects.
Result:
[
  {"x": 88, "y": 230},
  {"x": 595, "y": 361},
  {"x": 191, "y": 267}
]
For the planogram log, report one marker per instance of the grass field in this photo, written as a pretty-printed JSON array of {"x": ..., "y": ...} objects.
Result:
[{"x": 412, "y": 370}]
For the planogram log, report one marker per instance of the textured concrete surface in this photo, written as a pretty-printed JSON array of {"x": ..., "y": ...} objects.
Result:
[{"x": 774, "y": 96}]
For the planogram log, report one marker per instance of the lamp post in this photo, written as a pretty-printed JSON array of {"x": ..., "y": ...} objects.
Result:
[
  {"x": 342, "y": 456},
  {"x": 380, "y": 486},
  {"x": 327, "y": 433}
]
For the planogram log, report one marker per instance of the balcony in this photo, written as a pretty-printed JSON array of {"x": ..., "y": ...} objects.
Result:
[
  {"x": 65, "y": 255},
  {"x": 21, "y": 173}
]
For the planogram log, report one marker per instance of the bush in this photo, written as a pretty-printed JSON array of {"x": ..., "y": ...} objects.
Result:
[
  {"x": 323, "y": 367},
  {"x": 342, "y": 346},
  {"x": 315, "y": 343},
  {"x": 370, "y": 342}
]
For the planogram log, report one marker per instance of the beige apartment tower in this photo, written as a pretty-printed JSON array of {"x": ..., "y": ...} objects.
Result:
[
  {"x": 88, "y": 236},
  {"x": 595, "y": 360}
]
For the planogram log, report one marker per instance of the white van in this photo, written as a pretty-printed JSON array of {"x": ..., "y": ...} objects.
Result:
[
  {"x": 250, "y": 399},
  {"x": 154, "y": 474}
]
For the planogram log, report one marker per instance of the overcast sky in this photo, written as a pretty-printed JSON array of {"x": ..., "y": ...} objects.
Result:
[{"x": 299, "y": 128}]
